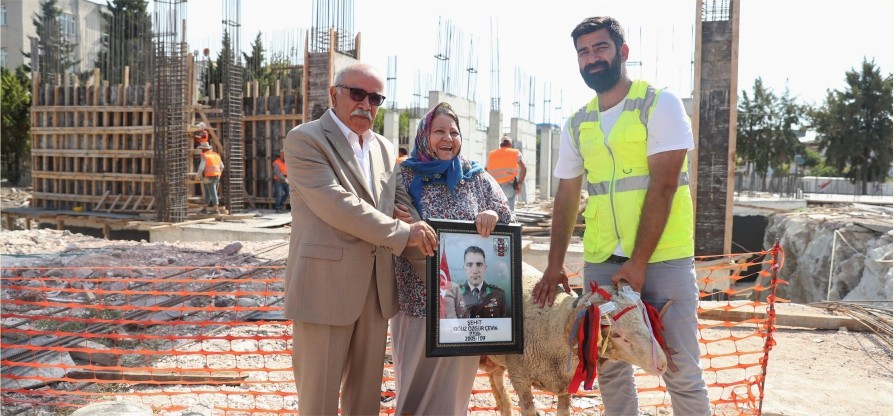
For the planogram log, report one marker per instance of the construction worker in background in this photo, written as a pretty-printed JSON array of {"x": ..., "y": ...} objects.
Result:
[
  {"x": 402, "y": 155},
  {"x": 200, "y": 136},
  {"x": 507, "y": 167},
  {"x": 280, "y": 182},
  {"x": 210, "y": 169}
]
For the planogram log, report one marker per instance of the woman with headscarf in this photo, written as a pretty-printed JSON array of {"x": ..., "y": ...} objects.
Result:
[{"x": 445, "y": 185}]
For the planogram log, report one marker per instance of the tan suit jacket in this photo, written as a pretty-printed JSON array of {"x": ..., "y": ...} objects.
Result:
[{"x": 341, "y": 228}]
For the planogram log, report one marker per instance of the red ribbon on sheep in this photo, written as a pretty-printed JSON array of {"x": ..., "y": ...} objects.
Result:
[{"x": 589, "y": 343}]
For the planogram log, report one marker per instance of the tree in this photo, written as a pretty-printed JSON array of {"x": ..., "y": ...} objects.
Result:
[
  {"x": 15, "y": 139},
  {"x": 254, "y": 63},
  {"x": 853, "y": 126},
  {"x": 126, "y": 41},
  {"x": 766, "y": 129},
  {"x": 55, "y": 51},
  {"x": 226, "y": 55}
]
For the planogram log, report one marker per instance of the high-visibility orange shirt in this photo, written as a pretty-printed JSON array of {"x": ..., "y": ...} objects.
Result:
[
  {"x": 502, "y": 164},
  {"x": 213, "y": 165},
  {"x": 282, "y": 167}
]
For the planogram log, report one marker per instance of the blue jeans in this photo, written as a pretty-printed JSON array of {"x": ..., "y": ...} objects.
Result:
[
  {"x": 280, "y": 193},
  {"x": 509, "y": 191},
  {"x": 210, "y": 184},
  {"x": 665, "y": 281}
]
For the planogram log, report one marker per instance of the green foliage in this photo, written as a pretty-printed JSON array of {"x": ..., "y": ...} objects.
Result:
[
  {"x": 404, "y": 129},
  {"x": 854, "y": 126},
  {"x": 254, "y": 63},
  {"x": 15, "y": 139},
  {"x": 226, "y": 54},
  {"x": 379, "y": 122},
  {"x": 126, "y": 41},
  {"x": 55, "y": 51},
  {"x": 765, "y": 133}
]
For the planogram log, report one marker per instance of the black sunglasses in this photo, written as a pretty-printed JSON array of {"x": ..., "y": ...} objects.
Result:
[{"x": 358, "y": 95}]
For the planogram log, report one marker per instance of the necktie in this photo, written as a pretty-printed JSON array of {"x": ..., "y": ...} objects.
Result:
[{"x": 475, "y": 292}]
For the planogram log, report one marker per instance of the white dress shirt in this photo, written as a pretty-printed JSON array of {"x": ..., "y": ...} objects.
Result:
[{"x": 360, "y": 152}]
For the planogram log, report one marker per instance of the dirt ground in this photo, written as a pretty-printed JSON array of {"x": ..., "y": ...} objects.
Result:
[{"x": 810, "y": 372}]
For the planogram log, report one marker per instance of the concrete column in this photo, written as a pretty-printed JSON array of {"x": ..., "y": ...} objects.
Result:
[
  {"x": 494, "y": 131},
  {"x": 414, "y": 124},
  {"x": 544, "y": 165},
  {"x": 391, "y": 127}
]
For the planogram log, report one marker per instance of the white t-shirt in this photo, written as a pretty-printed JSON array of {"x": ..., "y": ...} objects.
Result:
[{"x": 669, "y": 129}]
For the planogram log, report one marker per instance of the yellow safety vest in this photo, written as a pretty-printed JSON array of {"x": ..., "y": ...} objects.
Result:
[
  {"x": 617, "y": 179},
  {"x": 502, "y": 164}
]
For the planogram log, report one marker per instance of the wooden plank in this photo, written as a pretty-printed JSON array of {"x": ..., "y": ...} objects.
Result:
[
  {"x": 112, "y": 205},
  {"x": 95, "y": 358},
  {"x": 107, "y": 130},
  {"x": 93, "y": 153},
  {"x": 92, "y": 108},
  {"x": 180, "y": 224},
  {"x": 273, "y": 117},
  {"x": 127, "y": 202},
  {"x": 224, "y": 377},
  {"x": 98, "y": 204},
  {"x": 95, "y": 176},
  {"x": 137, "y": 204}
]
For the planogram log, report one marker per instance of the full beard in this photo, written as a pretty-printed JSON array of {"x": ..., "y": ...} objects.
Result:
[{"x": 605, "y": 80}]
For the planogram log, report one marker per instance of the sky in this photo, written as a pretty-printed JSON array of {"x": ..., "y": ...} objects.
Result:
[{"x": 799, "y": 45}]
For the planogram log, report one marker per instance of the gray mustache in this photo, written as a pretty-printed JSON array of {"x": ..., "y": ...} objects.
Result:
[{"x": 362, "y": 113}]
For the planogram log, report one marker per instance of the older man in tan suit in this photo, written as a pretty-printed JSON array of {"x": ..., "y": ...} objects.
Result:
[{"x": 340, "y": 286}]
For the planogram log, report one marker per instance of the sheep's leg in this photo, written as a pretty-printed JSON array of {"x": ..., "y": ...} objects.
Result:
[
  {"x": 522, "y": 387},
  {"x": 526, "y": 400},
  {"x": 564, "y": 406},
  {"x": 497, "y": 386}
]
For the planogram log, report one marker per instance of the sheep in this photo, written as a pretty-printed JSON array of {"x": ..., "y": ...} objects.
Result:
[{"x": 549, "y": 363}]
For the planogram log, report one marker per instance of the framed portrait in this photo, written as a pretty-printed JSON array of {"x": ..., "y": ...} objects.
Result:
[{"x": 474, "y": 291}]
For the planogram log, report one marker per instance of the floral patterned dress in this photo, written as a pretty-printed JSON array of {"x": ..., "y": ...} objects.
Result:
[{"x": 481, "y": 193}]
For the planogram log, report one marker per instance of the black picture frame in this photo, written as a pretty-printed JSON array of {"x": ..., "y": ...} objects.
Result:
[{"x": 487, "y": 326}]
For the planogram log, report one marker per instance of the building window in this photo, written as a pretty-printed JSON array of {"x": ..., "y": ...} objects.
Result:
[
  {"x": 3, "y": 14},
  {"x": 69, "y": 27},
  {"x": 2, "y": 57}
]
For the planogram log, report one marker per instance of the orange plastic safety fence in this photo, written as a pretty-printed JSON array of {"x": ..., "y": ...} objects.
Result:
[{"x": 170, "y": 337}]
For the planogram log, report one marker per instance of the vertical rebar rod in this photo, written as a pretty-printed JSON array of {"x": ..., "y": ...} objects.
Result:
[
  {"x": 169, "y": 102},
  {"x": 232, "y": 138}
]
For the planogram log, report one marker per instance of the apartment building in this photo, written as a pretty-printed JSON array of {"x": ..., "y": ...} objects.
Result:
[{"x": 81, "y": 23}]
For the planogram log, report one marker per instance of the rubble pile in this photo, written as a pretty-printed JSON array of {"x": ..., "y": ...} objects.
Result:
[{"x": 854, "y": 241}]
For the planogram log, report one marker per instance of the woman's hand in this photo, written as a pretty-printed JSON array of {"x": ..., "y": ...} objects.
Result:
[
  {"x": 401, "y": 212},
  {"x": 485, "y": 222}
]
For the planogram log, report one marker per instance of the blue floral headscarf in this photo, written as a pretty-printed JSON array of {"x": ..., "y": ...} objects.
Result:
[{"x": 426, "y": 166}]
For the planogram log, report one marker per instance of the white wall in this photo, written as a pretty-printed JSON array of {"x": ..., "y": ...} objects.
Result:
[{"x": 524, "y": 138}]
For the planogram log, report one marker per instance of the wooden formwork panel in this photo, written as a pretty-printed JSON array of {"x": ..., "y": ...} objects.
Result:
[
  {"x": 91, "y": 142},
  {"x": 93, "y": 147}
]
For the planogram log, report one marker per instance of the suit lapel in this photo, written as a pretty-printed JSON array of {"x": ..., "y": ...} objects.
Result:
[
  {"x": 346, "y": 153},
  {"x": 377, "y": 167}
]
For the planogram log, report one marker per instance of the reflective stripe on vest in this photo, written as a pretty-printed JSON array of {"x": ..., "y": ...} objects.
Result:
[
  {"x": 502, "y": 164},
  {"x": 618, "y": 178},
  {"x": 628, "y": 184},
  {"x": 212, "y": 164}
]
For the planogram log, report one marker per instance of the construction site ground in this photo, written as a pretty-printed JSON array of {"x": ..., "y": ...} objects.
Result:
[{"x": 831, "y": 371}]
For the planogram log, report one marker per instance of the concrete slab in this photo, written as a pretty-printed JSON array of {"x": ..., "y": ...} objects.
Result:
[
  {"x": 787, "y": 314},
  {"x": 267, "y": 225}
]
